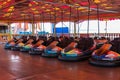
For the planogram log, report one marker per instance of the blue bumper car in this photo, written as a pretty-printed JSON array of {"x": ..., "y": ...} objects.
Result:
[
  {"x": 26, "y": 48},
  {"x": 105, "y": 57},
  {"x": 75, "y": 55},
  {"x": 9, "y": 45},
  {"x": 34, "y": 51},
  {"x": 38, "y": 48},
  {"x": 77, "y": 51},
  {"x": 52, "y": 50},
  {"x": 17, "y": 47}
]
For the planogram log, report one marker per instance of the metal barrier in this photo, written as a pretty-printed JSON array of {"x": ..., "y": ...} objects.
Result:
[{"x": 111, "y": 36}]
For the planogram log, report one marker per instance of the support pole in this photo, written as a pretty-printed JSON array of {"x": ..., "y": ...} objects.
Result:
[
  {"x": 43, "y": 18},
  {"x": 30, "y": 25},
  {"x": 55, "y": 24},
  {"x": 33, "y": 26},
  {"x": 74, "y": 29},
  {"x": 98, "y": 19},
  {"x": 50, "y": 16},
  {"x": 36, "y": 25},
  {"x": 88, "y": 19},
  {"x": 106, "y": 27},
  {"x": 78, "y": 21},
  {"x": 70, "y": 22},
  {"x": 9, "y": 32},
  {"x": 54, "y": 28},
  {"x": 62, "y": 20},
  {"x": 40, "y": 23}
]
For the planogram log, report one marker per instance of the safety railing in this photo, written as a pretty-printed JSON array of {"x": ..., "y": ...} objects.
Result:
[{"x": 111, "y": 36}]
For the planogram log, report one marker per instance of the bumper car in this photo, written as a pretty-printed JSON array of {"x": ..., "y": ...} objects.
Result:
[
  {"x": 17, "y": 47},
  {"x": 75, "y": 55},
  {"x": 41, "y": 46},
  {"x": 76, "y": 51},
  {"x": 9, "y": 45},
  {"x": 105, "y": 57},
  {"x": 26, "y": 48},
  {"x": 29, "y": 44},
  {"x": 13, "y": 43},
  {"x": 69, "y": 52},
  {"x": 38, "y": 48},
  {"x": 19, "y": 44},
  {"x": 52, "y": 50}
]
